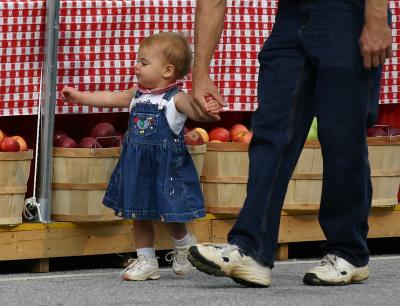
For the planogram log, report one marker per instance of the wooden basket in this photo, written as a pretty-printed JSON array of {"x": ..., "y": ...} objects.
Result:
[
  {"x": 80, "y": 178},
  {"x": 305, "y": 187},
  {"x": 197, "y": 153},
  {"x": 224, "y": 177},
  {"x": 14, "y": 174}
]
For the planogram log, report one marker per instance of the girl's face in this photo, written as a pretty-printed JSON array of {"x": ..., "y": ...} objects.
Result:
[{"x": 151, "y": 69}]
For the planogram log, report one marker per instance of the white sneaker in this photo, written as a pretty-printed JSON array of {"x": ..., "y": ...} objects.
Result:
[
  {"x": 141, "y": 268},
  {"x": 335, "y": 271},
  {"x": 180, "y": 263},
  {"x": 228, "y": 260}
]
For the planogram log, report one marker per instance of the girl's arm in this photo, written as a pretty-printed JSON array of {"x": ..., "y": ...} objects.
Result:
[
  {"x": 183, "y": 105},
  {"x": 98, "y": 99}
]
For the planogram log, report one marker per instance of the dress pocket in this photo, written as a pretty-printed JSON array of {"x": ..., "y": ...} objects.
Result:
[{"x": 144, "y": 124}]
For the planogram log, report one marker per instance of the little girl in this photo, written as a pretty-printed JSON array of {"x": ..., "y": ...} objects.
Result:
[{"x": 155, "y": 178}]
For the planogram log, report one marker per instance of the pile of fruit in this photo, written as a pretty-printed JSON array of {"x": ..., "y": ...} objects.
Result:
[
  {"x": 12, "y": 143},
  {"x": 237, "y": 133},
  {"x": 382, "y": 130},
  {"x": 103, "y": 135}
]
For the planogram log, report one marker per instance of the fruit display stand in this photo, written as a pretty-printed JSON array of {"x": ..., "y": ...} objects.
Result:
[{"x": 110, "y": 69}]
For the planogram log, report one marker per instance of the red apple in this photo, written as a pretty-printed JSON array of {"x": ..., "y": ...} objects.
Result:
[
  {"x": 376, "y": 132},
  {"x": 2, "y": 135},
  {"x": 237, "y": 129},
  {"x": 394, "y": 131},
  {"x": 9, "y": 144},
  {"x": 219, "y": 133},
  {"x": 22, "y": 143},
  {"x": 105, "y": 133},
  {"x": 246, "y": 138},
  {"x": 193, "y": 138},
  {"x": 67, "y": 142},
  {"x": 89, "y": 142},
  {"x": 57, "y": 137}
]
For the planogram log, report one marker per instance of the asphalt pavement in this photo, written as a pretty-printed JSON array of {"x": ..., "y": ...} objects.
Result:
[{"x": 103, "y": 287}]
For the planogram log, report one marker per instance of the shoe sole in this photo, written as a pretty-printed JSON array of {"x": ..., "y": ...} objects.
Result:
[
  {"x": 146, "y": 277},
  {"x": 210, "y": 268},
  {"x": 313, "y": 280}
]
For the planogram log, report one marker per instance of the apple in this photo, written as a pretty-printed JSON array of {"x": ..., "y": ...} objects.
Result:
[
  {"x": 57, "y": 137},
  {"x": 313, "y": 132},
  {"x": 9, "y": 144},
  {"x": 237, "y": 129},
  {"x": 67, "y": 142},
  {"x": 193, "y": 138},
  {"x": 246, "y": 138},
  {"x": 105, "y": 133},
  {"x": 376, "y": 132},
  {"x": 2, "y": 135},
  {"x": 203, "y": 133},
  {"x": 22, "y": 143},
  {"x": 238, "y": 135},
  {"x": 89, "y": 142},
  {"x": 394, "y": 131},
  {"x": 219, "y": 133}
]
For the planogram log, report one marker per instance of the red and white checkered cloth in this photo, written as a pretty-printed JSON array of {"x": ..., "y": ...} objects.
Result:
[{"x": 98, "y": 41}]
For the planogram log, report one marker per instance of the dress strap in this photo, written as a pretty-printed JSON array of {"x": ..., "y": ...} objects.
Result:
[
  {"x": 170, "y": 93},
  {"x": 138, "y": 94}
]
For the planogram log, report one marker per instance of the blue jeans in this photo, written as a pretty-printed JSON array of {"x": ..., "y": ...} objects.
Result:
[{"x": 311, "y": 65}]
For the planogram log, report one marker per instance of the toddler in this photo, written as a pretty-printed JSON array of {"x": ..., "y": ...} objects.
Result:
[{"x": 155, "y": 178}]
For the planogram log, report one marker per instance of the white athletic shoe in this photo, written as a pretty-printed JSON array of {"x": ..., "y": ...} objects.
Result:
[
  {"x": 141, "y": 268},
  {"x": 228, "y": 260},
  {"x": 180, "y": 263},
  {"x": 335, "y": 271}
]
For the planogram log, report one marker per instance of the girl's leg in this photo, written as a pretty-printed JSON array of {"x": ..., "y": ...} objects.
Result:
[
  {"x": 145, "y": 266},
  {"x": 182, "y": 240},
  {"x": 143, "y": 234}
]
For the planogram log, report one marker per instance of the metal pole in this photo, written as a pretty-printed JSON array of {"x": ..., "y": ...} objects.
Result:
[{"x": 48, "y": 108}]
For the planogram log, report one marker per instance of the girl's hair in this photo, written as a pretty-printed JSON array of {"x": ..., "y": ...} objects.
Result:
[{"x": 176, "y": 50}]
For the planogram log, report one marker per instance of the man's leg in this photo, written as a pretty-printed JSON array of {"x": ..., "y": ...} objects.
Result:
[
  {"x": 343, "y": 93},
  {"x": 280, "y": 125}
]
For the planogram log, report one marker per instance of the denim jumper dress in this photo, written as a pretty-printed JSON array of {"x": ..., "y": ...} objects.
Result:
[{"x": 155, "y": 177}]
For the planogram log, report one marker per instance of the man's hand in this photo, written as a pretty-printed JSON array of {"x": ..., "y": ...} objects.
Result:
[
  {"x": 376, "y": 36},
  {"x": 203, "y": 89}
]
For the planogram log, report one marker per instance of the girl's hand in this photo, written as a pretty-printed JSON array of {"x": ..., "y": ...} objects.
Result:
[
  {"x": 212, "y": 106},
  {"x": 69, "y": 94}
]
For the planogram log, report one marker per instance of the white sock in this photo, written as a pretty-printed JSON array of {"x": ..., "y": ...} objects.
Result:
[
  {"x": 186, "y": 241},
  {"x": 146, "y": 252}
]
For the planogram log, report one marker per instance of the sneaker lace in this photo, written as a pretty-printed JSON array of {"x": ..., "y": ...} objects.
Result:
[
  {"x": 134, "y": 263},
  {"x": 225, "y": 249},
  {"x": 328, "y": 259},
  {"x": 177, "y": 255}
]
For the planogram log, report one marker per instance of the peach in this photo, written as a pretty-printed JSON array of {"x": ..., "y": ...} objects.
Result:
[
  {"x": 203, "y": 133},
  {"x": 22, "y": 143}
]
